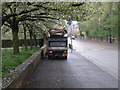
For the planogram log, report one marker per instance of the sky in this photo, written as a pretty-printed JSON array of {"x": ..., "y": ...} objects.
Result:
[
  {"x": 74, "y": 22},
  {"x": 61, "y": 0}
]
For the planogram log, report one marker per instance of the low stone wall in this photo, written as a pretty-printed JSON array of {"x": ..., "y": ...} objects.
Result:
[
  {"x": 103, "y": 39},
  {"x": 19, "y": 76}
]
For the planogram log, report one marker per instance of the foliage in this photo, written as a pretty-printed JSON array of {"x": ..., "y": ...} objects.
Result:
[
  {"x": 10, "y": 61},
  {"x": 14, "y": 13},
  {"x": 105, "y": 18},
  {"x": 97, "y": 18}
]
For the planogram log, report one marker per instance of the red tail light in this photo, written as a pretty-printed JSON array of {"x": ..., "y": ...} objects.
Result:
[
  {"x": 50, "y": 51},
  {"x": 65, "y": 51}
]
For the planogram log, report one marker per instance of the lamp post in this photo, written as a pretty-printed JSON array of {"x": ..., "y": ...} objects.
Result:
[
  {"x": 71, "y": 29},
  {"x": 110, "y": 36},
  {"x": 71, "y": 38}
]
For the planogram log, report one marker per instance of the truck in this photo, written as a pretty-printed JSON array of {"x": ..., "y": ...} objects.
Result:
[{"x": 57, "y": 44}]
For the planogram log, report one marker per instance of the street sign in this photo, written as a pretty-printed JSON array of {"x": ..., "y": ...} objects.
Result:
[
  {"x": 84, "y": 33},
  {"x": 69, "y": 23}
]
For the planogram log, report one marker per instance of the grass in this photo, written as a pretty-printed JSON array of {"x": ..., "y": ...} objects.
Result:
[
  {"x": 10, "y": 61},
  {"x": 0, "y": 68}
]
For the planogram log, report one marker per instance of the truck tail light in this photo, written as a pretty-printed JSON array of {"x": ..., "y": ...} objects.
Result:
[
  {"x": 50, "y": 51},
  {"x": 64, "y": 51}
]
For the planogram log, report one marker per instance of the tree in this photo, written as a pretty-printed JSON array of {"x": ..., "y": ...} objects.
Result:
[
  {"x": 16, "y": 12},
  {"x": 104, "y": 20},
  {"x": 17, "y": 15},
  {"x": 25, "y": 34}
]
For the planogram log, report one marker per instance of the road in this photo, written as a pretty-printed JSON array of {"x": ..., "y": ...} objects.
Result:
[
  {"x": 104, "y": 55},
  {"x": 75, "y": 72}
]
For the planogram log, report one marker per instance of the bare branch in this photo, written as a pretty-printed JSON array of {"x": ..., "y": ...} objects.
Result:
[
  {"x": 4, "y": 13},
  {"x": 47, "y": 8},
  {"x": 26, "y": 17},
  {"x": 7, "y": 25},
  {"x": 5, "y": 18},
  {"x": 11, "y": 10},
  {"x": 23, "y": 12},
  {"x": 76, "y": 5},
  {"x": 30, "y": 19}
]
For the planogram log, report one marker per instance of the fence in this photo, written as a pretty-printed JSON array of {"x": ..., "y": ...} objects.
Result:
[{"x": 9, "y": 43}]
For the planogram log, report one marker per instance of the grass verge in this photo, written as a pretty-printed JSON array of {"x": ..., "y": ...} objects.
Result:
[{"x": 10, "y": 61}]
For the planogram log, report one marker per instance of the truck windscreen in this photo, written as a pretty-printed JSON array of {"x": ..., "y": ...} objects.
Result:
[{"x": 57, "y": 44}]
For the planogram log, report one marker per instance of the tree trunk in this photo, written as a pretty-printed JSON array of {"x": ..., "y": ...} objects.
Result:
[
  {"x": 31, "y": 41},
  {"x": 35, "y": 40},
  {"x": 110, "y": 36},
  {"x": 25, "y": 41},
  {"x": 15, "y": 38},
  {"x": 45, "y": 40}
]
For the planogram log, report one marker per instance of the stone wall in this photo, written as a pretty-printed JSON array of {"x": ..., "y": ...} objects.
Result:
[
  {"x": 19, "y": 76},
  {"x": 103, "y": 39}
]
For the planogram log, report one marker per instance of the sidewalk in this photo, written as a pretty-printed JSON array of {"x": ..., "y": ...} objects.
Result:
[{"x": 75, "y": 72}]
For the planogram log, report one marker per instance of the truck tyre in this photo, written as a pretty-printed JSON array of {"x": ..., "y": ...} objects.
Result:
[
  {"x": 65, "y": 57},
  {"x": 49, "y": 57}
]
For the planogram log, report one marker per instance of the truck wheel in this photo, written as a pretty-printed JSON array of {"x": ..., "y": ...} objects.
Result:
[
  {"x": 49, "y": 57},
  {"x": 65, "y": 57}
]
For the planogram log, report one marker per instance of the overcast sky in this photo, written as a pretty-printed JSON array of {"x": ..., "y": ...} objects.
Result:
[{"x": 61, "y": 0}]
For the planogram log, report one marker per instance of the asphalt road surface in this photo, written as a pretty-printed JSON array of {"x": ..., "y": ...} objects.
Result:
[
  {"x": 75, "y": 72},
  {"x": 104, "y": 55}
]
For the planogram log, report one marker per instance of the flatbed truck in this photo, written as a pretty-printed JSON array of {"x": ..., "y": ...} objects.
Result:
[{"x": 57, "y": 44}]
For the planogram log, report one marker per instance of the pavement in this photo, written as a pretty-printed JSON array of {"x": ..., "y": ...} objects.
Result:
[{"x": 75, "y": 72}]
